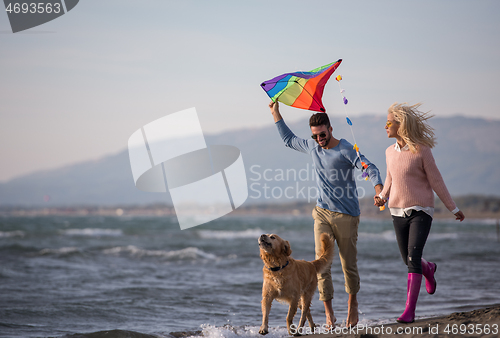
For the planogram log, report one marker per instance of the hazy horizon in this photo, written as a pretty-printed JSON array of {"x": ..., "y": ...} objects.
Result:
[{"x": 124, "y": 148}]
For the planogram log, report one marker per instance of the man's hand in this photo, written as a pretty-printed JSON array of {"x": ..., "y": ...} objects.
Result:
[
  {"x": 379, "y": 202},
  {"x": 274, "y": 106}
]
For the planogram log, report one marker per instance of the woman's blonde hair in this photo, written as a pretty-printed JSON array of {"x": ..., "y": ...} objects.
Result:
[{"x": 413, "y": 128}]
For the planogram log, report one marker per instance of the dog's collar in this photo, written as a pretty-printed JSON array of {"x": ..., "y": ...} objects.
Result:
[{"x": 278, "y": 268}]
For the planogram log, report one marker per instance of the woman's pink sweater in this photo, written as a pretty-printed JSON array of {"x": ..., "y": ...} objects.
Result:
[{"x": 411, "y": 179}]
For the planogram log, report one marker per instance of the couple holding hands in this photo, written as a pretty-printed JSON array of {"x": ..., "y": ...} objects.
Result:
[{"x": 412, "y": 178}]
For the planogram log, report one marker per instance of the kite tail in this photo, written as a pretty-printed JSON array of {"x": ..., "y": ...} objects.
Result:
[{"x": 364, "y": 166}]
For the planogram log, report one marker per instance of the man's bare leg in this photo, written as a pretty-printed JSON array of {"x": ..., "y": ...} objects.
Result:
[
  {"x": 352, "y": 311},
  {"x": 330, "y": 317}
]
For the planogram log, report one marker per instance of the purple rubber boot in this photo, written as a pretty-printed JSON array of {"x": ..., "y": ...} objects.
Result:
[
  {"x": 429, "y": 269},
  {"x": 414, "y": 281}
]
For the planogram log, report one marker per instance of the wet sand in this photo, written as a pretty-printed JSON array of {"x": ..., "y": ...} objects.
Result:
[{"x": 477, "y": 323}]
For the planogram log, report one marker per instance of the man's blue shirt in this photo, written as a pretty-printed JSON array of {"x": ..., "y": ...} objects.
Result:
[{"x": 335, "y": 174}]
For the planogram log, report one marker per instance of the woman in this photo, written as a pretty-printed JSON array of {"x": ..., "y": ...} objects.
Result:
[{"x": 412, "y": 178}]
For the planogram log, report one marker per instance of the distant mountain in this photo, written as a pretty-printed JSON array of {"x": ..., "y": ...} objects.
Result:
[{"x": 467, "y": 154}]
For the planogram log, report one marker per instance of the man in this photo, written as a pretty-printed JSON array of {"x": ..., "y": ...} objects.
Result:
[{"x": 337, "y": 208}]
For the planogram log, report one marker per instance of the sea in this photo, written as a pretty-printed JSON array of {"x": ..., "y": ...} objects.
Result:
[{"x": 141, "y": 276}]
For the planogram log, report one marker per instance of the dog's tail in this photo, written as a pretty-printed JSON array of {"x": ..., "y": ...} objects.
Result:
[{"x": 326, "y": 256}]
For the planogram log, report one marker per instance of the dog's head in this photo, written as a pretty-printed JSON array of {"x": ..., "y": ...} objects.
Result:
[{"x": 274, "y": 245}]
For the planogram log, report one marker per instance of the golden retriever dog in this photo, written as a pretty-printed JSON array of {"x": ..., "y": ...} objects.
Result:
[{"x": 289, "y": 280}]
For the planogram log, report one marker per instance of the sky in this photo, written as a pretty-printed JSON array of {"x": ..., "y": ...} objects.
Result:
[{"x": 76, "y": 88}]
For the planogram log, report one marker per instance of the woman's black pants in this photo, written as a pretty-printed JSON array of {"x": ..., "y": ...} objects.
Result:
[{"x": 411, "y": 233}]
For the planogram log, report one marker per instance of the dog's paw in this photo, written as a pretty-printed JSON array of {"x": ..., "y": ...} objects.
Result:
[{"x": 263, "y": 331}]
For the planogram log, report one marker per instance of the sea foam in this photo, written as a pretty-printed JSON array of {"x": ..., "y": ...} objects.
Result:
[{"x": 228, "y": 331}]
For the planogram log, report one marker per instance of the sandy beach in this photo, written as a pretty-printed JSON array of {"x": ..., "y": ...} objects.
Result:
[{"x": 483, "y": 322}]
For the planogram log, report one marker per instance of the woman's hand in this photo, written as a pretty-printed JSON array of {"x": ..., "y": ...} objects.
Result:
[
  {"x": 460, "y": 216},
  {"x": 379, "y": 202}
]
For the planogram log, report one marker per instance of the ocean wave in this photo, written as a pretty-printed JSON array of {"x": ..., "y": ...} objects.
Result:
[
  {"x": 388, "y": 236},
  {"x": 8, "y": 234},
  {"x": 190, "y": 253},
  {"x": 442, "y": 236},
  {"x": 226, "y": 234},
  {"x": 60, "y": 251},
  {"x": 92, "y": 232}
]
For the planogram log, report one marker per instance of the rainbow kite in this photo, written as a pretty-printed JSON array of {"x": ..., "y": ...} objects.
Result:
[{"x": 301, "y": 89}]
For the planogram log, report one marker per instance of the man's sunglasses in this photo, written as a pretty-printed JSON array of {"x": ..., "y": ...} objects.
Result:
[{"x": 322, "y": 135}]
